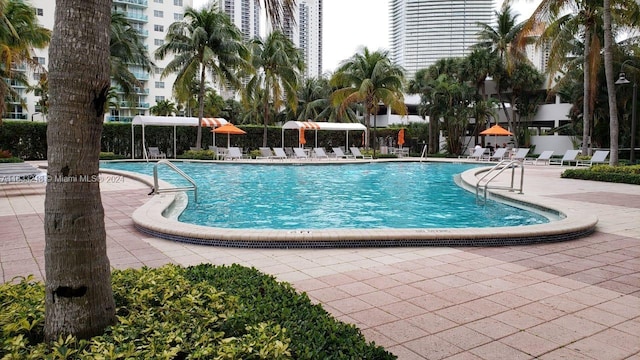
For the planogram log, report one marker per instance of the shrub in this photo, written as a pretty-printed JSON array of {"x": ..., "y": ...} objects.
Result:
[
  {"x": 607, "y": 173},
  {"x": 201, "y": 154},
  {"x": 110, "y": 156},
  {"x": 201, "y": 312}
]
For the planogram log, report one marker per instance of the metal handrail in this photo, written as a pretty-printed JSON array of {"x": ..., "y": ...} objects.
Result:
[
  {"x": 424, "y": 152},
  {"x": 156, "y": 186},
  {"x": 498, "y": 169}
]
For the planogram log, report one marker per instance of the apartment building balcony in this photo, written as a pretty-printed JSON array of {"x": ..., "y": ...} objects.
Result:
[
  {"x": 133, "y": 16},
  {"x": 130, "y": 105},
  {"x": 114, "y": 118},
  {"x": 143, "y": 32},
  {"x": 136, "y": 3}
]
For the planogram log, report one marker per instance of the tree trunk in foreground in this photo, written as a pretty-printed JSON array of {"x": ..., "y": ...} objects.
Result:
[
  {"x": 614, "y": 127},
  {"x": 79, "y": 299}
]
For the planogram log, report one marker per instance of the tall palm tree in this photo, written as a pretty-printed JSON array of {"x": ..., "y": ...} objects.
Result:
[
  {"x": 566, "y": 20},
  {"x": 79, "y": 299},
  {"x": 126, "y": 49},
  {"x": 278, "y": 66},
  {"x": 369, "y": 78},
  {"x": 204, "y": 41},
  {"x": 20, "y": 33},
  {"x": 503, "y": 42}
]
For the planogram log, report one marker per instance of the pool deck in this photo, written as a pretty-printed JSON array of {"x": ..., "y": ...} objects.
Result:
[{"x": 578, "y": 299}]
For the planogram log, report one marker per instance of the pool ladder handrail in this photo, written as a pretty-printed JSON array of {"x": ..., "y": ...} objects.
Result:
[
  {"x": 423, "y": 155},
  {"x": 156, "y": 186},
  {"x": 498, "y": 169}
]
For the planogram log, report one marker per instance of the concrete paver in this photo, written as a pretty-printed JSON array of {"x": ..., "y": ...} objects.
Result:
[{"x": 576, "y": 300}]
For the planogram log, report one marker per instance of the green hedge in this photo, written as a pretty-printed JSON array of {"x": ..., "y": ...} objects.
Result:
[
  {"x": 27, "y": 140},
  {"x": 202, "y": 312},
  {"x": 607, "y": 173}
]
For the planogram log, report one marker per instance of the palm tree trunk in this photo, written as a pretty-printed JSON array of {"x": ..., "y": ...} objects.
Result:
[
  {"x": 586, "y": 101},
  {"x": 266, "y": 120},
  {"x": 79, "y": 299},
  {"x": 608, "y": 69},
  {"x": 201, "y": 106}
]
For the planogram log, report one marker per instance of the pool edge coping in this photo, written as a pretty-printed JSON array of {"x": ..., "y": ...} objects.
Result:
[{"x": 149, "y": 219}]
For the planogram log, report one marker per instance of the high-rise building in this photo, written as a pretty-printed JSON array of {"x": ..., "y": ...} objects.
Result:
[
  {"x": 305, "y": 31},
  {"x": 151, "y": 18},
  {"x": 424, "y": 31},
  {"x": 245, "y": 14}
]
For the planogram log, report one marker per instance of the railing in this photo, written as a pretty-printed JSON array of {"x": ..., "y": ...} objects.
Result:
[
  {"x": 156, "y": 186},
  {"x": 423, "y": 155},
  {"x": 485, "y": 180}
]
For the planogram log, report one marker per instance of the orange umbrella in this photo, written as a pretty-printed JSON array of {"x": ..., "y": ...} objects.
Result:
[
  {"x": 401, "y": 137},
  {"x": 229, "y": 129},
  {"x": 496, "y": 130},
  {"x": 302, "y": 140}
]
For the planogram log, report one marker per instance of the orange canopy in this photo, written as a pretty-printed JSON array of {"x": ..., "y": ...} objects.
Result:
[
  {"x": 496, "y": 130},
  {"x": 401, "y": 137},
  {"x": 229, "y": 128}
]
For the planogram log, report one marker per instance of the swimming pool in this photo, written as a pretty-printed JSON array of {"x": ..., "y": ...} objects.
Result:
[{"x": 347, "y": 196}]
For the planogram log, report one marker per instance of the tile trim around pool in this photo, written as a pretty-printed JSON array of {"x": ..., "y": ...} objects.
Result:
[{"x": 149, "y": 219}]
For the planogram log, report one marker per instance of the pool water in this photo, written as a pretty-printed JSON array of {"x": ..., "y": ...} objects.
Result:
[{"x": 346, "y": 196}]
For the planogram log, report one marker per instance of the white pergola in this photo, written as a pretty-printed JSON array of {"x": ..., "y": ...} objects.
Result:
[
  {"x": 174, "y": 121},
  {"x": 329, "y": 126}
]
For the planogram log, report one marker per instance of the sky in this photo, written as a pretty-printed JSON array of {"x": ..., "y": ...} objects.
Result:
[{"x": 368, "y": 25}]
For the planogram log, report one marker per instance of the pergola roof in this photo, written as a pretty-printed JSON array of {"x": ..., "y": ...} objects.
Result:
[
  {"x": 312, "y": 125},
  {"x": 176, "y": 121}
]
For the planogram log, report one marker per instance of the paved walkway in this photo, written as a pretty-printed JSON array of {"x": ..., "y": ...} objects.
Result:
[{"x": 571, "y": 300}]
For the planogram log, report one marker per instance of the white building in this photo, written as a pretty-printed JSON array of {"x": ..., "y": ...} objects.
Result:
[
  {"x": 423, "y": 32},
  {"x": 305, "y": 31},
  {"x": 245, "y": 14},
  {"x": 152, "y": 19}
]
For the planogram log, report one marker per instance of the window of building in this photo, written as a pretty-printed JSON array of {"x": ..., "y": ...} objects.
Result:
[
  {"x": 159, "y": 98},
  {"x": 158, "y": 13},
  {"x": 39, "y": 12},
  {"x": 159, "y": 84},
  {"x": 158, "y": 42},
  {"x": 158, "y": 28},
  {"x": 178, "y": 16},
  {"x": 177, "y": 2},
  {"x": 157, "y": 1},
  {"x": 39, "y": 60}
]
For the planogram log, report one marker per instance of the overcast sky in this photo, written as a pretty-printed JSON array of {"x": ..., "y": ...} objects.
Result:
[{"x": 367, "y": 25}]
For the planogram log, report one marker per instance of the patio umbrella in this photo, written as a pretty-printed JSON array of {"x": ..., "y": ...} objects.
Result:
[
  {"x": 229, "y": 129},
  {"x": 302, "y": 140},
  {"x": 496, "y": 130},
  {"x": 401, "y": 137}
]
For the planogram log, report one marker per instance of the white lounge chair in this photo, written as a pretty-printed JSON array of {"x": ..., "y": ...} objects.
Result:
[
  {"x": 568, "y": 157},
  {"x": 279, "y": 153},
  {"x": 233, "y": 153},
  {"x": 155, "y": 153},
  {"x": 341, "y": 155},
  {"x": 599, "y": 157},
  {"x": 478, "y": 153},
  {"x": 357, "y": 154},
  {"x": 545, "y": 157},
  {"x": 299, "y": 153},
  {"x": 521, "y": 154},
  {"x": 265, "y": 153},
  {"x": 320, "y": 154},
  {"x": 497, "y": 155},
  {"x": 18, "y": 172}
]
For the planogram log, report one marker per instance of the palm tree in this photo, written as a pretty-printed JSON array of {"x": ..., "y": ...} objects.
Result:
[
  {"x": 369, "y": 78},
  {"x": 278, "y": 66},
  {"x": 19, "y": 35},
  {"x": 41, "y": 88},
  {"x": 127, "y": 49},
  {"x": 205, "y": 41},
  {"x": 566, "y": 20},
  {"x": 163, "y": 108},
  {"x": 79, "y": 299}
]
